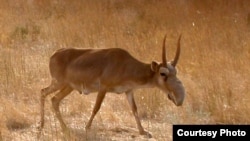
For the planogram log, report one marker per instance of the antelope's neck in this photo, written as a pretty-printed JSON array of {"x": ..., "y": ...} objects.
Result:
[{"x": 146, "y": 76}]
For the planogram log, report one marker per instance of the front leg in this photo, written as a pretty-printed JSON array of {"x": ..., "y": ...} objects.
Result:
[
  {"x": 130, "y": 98},
  {"x": 100, "y": 96}
]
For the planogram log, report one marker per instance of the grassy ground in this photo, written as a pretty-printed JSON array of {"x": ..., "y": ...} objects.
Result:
[{"x": 214, "y": 64}]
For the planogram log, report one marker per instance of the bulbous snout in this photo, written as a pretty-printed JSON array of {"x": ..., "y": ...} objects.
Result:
[
  {"x": 178, "y": 101},
  {"x": 177, "y": 93}
]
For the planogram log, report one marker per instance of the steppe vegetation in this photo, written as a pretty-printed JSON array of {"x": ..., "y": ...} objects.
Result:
[{"x": 214, "y": 64}]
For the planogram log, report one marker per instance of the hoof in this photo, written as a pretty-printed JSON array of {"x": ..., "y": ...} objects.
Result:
[
  {"x": 67, "y": 133},
  {"x": 146, "y": 134},
  {"x": 39, "y": 131},
  {"x": 87, "y": 127}
]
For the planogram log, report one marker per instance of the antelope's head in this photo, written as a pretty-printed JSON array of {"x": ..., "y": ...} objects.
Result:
[{"x": 166, "y": 76}]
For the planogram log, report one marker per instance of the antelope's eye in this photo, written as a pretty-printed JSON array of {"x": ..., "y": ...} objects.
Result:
[{"x": 163, "y": 74}]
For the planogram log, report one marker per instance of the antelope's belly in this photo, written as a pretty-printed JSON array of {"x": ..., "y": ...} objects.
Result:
[
  {"x": 97, "y": 86},
  {"x": 84, "y": 88}
]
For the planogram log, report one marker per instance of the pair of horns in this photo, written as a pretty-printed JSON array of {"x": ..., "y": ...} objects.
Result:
[{"x": 177, "y": 54}]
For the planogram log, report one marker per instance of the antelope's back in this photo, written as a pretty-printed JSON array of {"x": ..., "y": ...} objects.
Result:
[
  {"x": 61, "y": 59},
  {"x": 77, "y": 64}
]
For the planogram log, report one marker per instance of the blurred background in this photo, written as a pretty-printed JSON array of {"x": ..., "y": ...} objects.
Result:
[{"x": 214, "y": 64}]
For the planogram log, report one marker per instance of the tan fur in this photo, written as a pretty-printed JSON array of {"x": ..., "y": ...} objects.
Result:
[{"x": 106, "y": 70}]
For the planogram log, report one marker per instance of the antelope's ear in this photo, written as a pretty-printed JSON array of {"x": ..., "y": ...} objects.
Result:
[{"x": 154, "y": 66}]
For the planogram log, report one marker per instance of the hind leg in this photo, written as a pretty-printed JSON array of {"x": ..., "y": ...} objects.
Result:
[
  {"x": 56, "y": 101},
  {"x": 53, "y": 87}
]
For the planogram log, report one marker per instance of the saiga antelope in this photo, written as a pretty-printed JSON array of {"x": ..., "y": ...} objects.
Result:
[{"x": 109, "y": 70}]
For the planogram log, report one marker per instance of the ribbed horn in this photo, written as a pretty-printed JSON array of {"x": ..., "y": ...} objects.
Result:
[
  {"x": 178, "y": 51},
  {"x": 164, "y": 59}
]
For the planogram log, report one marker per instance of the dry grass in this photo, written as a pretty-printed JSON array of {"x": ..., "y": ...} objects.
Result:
[{"x": 214, "y": 64}]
